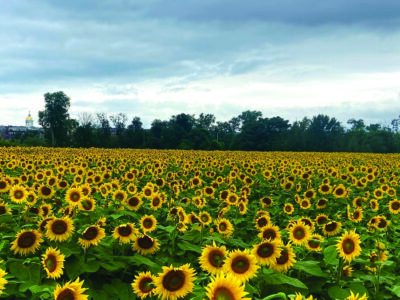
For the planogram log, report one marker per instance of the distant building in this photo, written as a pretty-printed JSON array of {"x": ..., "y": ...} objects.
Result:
[
  {"x": 29, "y": 121},
  {"x": 9, "y": 132}
]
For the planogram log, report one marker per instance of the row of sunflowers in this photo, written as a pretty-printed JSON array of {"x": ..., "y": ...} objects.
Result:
[{"x": 127, "y": 224}]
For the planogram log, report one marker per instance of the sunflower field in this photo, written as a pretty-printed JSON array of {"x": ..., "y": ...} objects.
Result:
[{"x": 163, "y": 224}]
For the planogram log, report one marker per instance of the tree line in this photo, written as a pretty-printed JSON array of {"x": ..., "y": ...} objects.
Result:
[{"x": 250, "y": 130}]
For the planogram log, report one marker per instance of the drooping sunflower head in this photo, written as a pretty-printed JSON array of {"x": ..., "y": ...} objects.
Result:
[
  {"x": 71, "y": 290},
  {"x": 27, "y": 241},
  {"x": 242, "y": 264},
  {"x": 92, "y": 236},
  {"x": 53, "y": 263},
  {"x": 143, "y": 285},
  {"x": 175, "y": 283},
  {"x": 145, "y": 245},
  {"x": 348, "y": 246},
  {"x": 212, "y": 258},
  {"x": 226, "y": 287}
]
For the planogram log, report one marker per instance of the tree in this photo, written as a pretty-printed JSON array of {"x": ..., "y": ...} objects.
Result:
[{"x": 54, "y": 118}]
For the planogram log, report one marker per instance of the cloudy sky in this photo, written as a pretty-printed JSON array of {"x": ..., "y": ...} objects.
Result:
[{"x": 153, "y": 58}]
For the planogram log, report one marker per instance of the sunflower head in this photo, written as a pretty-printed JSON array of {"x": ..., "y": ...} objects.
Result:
[
  {"x": 145, "y": 245},
  {"x": 226, "y": 286},
  {"x": 143, "y": 285},
  {"x": 27, "y": 241},
  {"x": 71, "y": 290},
  {"x": 148, "y": 223},
  {"x": 125, "y": 233},
  {"x": 175, "y": 283},
  {"x": 212, "y": 258},
  {"x": 267, "y": 252},
  {"x": 92, "y": 236},
  {"x": 348, "y": 246},
  {"x": 53, "y": 263},
  {"x": 242, "y": 264}
]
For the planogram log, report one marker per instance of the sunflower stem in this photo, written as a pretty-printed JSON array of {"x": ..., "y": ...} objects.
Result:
[
  {"x": 339, "y": 270},
  {"x": 86, "y": 251}
]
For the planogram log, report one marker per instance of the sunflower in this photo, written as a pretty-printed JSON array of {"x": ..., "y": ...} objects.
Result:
[
  {"x": 18, "y": 194},
  {"x": 225, "y": 227},
  {"x": 314, "y": 243},
  {"x": 286, "y": 260},
  {"x": 4, "y": 186},
  {"x": 71, "y": 290},
  {"x": 309, "y": 194},
  {"x": 73, "y": 196},
  {"x": 31, "y": 198},
  {"x": 148, "y": 223},
  {"x": 288, "y": 208},
  {"x": 340, "y": 191},
  {"x": 3, "y": 281},
  {"x": 53, "y": 263},
  {"x": 325, "y": 188},
  {"x": 4, "y": 209},
  {"x": 156, "y": 201},
  {"x": 232, "y": 199},
  {"x": 267, "y": 252},
  {"x": 209, "y": 191},
  {"x": 322, "y": 203},
  {"x": 356, "y": 296},
  {"x": 348, "y": 246},
  {"x": 27, "y": 241},
  {"x": 266, "y": 202},
  {"x": 270, "y": 232},
  {"x": 87, "y": 204},
  {"x": 92, "y": 236},
  {"x": 45, "y": 192},
  {"x": 134, "y": 203},
  {"x": 347, "y": 271},
  {"x": 226, "y": 286},
  {"x": 205, "y": 218},
  {"x": 147, "y": 192},
  {"x": 299, "y": 234},
  {"x": 382, "y": 223},
  {"x": 144, "y": 244},
  {"x": 378, "y": 193},
  {"x": 59, "y": 229},
  {"x": 299, "y": 296},
  {"x": 394, "y": 206},
  {"x": 143, "y": 284},
  {"x": 241, "y": 264},
  {"x": 125, "y": 233},
  {"x": 119, "y": 196},
  {"x": 262, "y": 221},
  {"x": 357, "y": 215},
  {"x": 373, "y": 203},
  {"x": 212, "y": 258},
  {"x": 332, "y": 228},
  {"x": 305, "y": 203}
]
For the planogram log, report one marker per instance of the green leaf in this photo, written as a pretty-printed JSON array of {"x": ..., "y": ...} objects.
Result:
[
  {"x": 310, "y": 267},
  {"x": 193, "y": 235},
  {"x": 336, "y": 292},
  {"x": 358, "y": 288},
  {"x": 91, "y": 266},
  {"x": 28, "y": 274},
  {"x": 188, "y": 246},
  {"x": 73, "y": 266},
  {"x": 330, "y": 255},
  {"x": 395, "y": 290},
  {"x": 141, "y": 260},
  {"x": 279, "y": 278}
]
